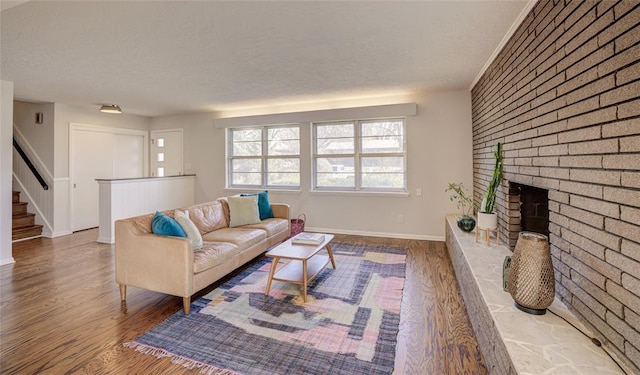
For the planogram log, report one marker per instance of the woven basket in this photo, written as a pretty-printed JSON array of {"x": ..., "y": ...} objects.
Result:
[
  {"x": 297, "y": 224},
  {"x": 531, "y": 277}
]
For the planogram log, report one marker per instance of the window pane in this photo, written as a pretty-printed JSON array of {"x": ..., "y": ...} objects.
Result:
[
  {"x": 382, "y": 144},
  {"x": 247, "y": 179},
  {"x": 382, "y": 164},
  {"x": 283, "y": 134},
  {"x": 283, "y": 165},
  {"x": 283, "y": 179},
  {"x": 247, "y": 148},
  {"x": 160, "y": 142},
  {"x": 382, "y": 128},
  {"x": 246, "y": 165},
  {"x": 335, "y": 139},
  {"x": 383, "y": 172},
  {"x": 247, "y": 142},
  {"x": 160, "y": 172},
  {"x": 335, "y": 130},
  {"x": 285, "y": 147},
  {"x": 283, "y": 172},
  {"x": 382, "y": 136},
  {"x": 335, "y": 146},
  {"x": 246, "y": 172},
  {"x": 335, "y": 172},
  {"x": 160, "y": 156},
  {"x": 247, "y": 135}
]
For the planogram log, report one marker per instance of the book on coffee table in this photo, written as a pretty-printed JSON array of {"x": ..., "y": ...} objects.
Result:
[{"x": 306, "y": 238}]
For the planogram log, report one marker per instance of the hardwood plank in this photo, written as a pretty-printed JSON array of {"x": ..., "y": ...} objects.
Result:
[{"x": 60, "y": 312}]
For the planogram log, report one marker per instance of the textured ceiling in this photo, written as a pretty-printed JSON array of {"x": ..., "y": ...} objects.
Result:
[{"x": 157, "y": 58}]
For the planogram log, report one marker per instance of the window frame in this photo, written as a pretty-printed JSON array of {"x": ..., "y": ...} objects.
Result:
[
  {"x": 357, "y": 155},
  {"x": 264, "y": 158}
]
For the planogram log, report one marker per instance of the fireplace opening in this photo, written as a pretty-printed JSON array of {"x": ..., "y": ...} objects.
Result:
[{"x": 531, "y": 207}]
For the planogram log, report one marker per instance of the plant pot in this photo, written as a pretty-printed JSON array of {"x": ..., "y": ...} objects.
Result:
[
  {"x": 466, "y": 223},
  {"x": 487, "y": 221}
]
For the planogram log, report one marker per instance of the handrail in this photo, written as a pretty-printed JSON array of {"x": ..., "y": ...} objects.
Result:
[{"x": 33, "y": 169}]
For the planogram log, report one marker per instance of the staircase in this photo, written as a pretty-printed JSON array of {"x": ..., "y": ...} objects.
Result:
[{"x": 23, "y": 223}]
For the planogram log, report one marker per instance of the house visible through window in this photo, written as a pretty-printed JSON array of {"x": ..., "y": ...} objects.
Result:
[
  {"x": 264, "y": 157},
  {"x": 360, "y": 155}
]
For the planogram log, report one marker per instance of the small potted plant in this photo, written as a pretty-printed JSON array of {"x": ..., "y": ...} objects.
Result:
[
  {"x": 487, "y": 218},
  {"x": 464, "y": 202}
]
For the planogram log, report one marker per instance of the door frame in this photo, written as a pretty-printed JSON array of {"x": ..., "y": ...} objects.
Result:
[{"x": 73, "y": 126}]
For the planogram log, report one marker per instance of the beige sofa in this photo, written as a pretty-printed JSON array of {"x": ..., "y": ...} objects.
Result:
[{"x": 169, "y": 264}]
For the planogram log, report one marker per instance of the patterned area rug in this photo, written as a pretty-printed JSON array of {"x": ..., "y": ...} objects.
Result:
[{"x": 348, "y": 325}]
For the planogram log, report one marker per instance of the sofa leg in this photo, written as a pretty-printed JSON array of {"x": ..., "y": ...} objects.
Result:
[
  {"x": 123, "y": 292},
  {"x": 186, "y": 305}
]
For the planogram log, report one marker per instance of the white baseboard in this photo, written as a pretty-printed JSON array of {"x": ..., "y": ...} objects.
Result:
[
  {"x": 59, "y": 233},
  {"x": 7, "y": 261},
  {"x": 106, "y": 240},
  {"x": 406, "y": 236}
]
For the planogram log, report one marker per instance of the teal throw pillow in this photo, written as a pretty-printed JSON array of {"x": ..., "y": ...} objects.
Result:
[
  {"x": 166, "y": 226},
  {"x": 264, "y": 207}
]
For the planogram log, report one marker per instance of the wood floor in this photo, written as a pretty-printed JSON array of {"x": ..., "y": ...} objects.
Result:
[{"x": 60, "y": 312}]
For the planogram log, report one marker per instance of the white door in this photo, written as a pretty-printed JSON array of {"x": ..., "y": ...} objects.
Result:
[
  {"x": 100, "y": 153},
  {"x": 166, "y": 153},
  {"x": 92, "y": 157}
]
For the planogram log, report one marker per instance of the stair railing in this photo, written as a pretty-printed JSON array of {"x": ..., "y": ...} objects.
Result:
[{"x": 32, "y": 168}]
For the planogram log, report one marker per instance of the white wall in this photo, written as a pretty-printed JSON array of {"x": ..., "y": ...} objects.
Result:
[
  {"x": 39, "y": 136},
  {"x": 6, "y": 164},
  {"x": 439, "y": 150}
]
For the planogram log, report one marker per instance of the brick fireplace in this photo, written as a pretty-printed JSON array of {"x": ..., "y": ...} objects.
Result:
[{"x": 563, "y": 96}]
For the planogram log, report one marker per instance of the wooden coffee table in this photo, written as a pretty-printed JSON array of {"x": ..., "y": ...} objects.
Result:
[{"x": 304, "y": 263}]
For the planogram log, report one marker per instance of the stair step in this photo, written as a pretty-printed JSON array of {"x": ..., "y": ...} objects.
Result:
[
  {"x": 15, "y": 196},
  {"x": 26, "y": 232},
  {"x": 23, "y": 220},
  {"x": 19, "y": 208}
]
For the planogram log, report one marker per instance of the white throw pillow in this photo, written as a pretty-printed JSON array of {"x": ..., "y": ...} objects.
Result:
[
  {"x": 243, "y": 210},
  {"x": 193, "y": 234}
]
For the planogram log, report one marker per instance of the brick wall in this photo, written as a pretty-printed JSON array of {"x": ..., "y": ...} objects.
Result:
[{"x": 564, "y": 98}]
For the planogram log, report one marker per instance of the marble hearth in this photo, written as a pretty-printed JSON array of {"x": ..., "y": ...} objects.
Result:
[{"x": 511, "y": 341}]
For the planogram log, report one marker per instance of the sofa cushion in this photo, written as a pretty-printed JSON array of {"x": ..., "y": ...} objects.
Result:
[
  {"x": 225, "y": 208},
  {"x": 243, "y": 210},
  {"x": 143, "y": 222},
  {"x": 208, "y": 216},
  {"x": 264, "y": 207},
  {"x": 212, "y": 254},
  {"x": 271, "y": 226},
  {"x": 192, "y": 232},
  {"x": 166, "y": 226},
  {"x": 241, "y": 237}
]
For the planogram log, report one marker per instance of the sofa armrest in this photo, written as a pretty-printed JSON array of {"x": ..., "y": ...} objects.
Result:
[
  {"x": 282, "y": 211},
  {"x": 159, "y": 263}
]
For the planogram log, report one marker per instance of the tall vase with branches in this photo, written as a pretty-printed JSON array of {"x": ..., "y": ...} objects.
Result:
[{"x": 487, "y": 218}]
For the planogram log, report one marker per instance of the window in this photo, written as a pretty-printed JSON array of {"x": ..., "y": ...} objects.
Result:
[
  {"x": 360, "y": 155},
  {"x": 264, "y": 157}
]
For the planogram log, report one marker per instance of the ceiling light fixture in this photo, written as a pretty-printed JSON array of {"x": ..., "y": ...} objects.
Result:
[{"x": 110, "y": 108}]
